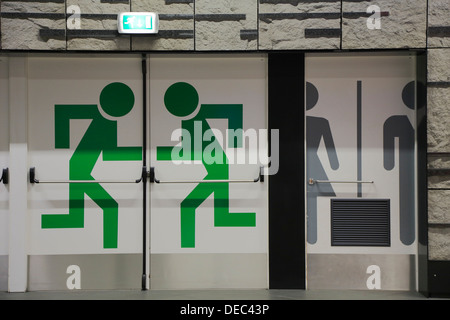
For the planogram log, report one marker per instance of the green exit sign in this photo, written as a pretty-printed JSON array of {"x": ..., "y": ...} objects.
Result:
[{"x": 138, "y": 22}]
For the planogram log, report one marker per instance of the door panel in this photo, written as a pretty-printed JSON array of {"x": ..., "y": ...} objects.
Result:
[
  {"x": 360, "y": 159},
  {"x": 207, "y": 234},
  {"x": 85, "y": 131}
]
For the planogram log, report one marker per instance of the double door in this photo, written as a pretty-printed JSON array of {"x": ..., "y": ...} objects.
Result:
[
  {"x": 147, "y": 177},
  {"x": 152, "y": 177}
]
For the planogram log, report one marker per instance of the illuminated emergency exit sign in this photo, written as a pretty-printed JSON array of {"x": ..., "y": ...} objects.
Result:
[{"x": 138, "y": 22}]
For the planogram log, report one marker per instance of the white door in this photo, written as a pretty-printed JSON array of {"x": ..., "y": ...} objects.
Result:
[
  {"x": 85, "y": 150},
  {"x": 208, "y": 214},
  {"x": 360, "y": 164}
]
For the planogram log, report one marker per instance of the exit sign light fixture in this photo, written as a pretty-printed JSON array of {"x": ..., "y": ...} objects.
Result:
[{"x": 138, "y": 22}]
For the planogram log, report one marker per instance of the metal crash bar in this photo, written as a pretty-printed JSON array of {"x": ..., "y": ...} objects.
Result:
[
  {"x": 153, "y": 178},
  {"x": 34, "y": 180},
  {"x": 5, "y": 176},
  {"x": 312, "y": 181}
]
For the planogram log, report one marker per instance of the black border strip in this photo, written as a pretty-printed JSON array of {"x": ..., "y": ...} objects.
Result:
[
  {"x": 439, "y": 84},
  {"x": 422, "y": 172},
  {"x": 322, "y": 33},
  {"x": 300, "y": 15},
  {"x": 295, "y": 2},
  {"x": 178, "y": 1},
  {"x": 80, "y": 33},
  {"x": 219, "y": 17},
  {"x": 359, "y": 136},
  {"x": 357, "y": 15},
  {"x": 439, "y": 278},
  {"x": 39, "y": 1},
  {"x": 144, "y": 172},
  {"x": 287, "y": 262},
  {"x": 115, "y": 1},
  {"x": 33, "y": 15},
  {"x": 250, "y": 34},
  {"x": 439, "y": 31}
]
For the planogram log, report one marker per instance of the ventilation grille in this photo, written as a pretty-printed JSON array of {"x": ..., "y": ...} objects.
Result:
[{"x": 360, "y": 222}]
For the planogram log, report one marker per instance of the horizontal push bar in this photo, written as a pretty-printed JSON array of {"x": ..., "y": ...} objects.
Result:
[
  {"x": 33, "y": 179},
  {"x": 260, "y": 178},
  {"x": 5, "y": 176},
  {"x": 312, "y": 181}
]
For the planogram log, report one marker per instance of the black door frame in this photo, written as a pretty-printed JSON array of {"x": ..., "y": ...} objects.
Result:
[{"x": 287, "y": 259}]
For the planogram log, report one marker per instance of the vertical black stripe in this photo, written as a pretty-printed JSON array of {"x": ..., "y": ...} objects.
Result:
[
  {"x": 422, "y": 175},
  {"x": 340, "y": 25},
  {"x": 358, "y": 138},
  {"x": 194, "y": 27},
  {"x": 144, "y": 171},
  {"x": 65, "y": 22},
  {"x": 287, "y": 186}
]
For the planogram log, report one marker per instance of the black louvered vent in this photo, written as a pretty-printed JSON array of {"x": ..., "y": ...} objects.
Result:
[{"x": 360, "y": 222}]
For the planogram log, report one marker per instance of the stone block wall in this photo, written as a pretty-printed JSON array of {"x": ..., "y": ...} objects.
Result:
[
  {"x": 176, "y": 25},
  {"x": 438, "y": 117},
  {"x": 264, "y": 25},
  {"x": 224, "y": 25},
  {"x": 33, "y": 25},
  {"x": 402, "y": 24}
]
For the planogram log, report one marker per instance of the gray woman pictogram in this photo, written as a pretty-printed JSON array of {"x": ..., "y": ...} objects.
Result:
[{"x": 317, "y": 129}]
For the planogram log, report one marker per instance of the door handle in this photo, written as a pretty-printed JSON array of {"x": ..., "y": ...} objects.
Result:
[
  {"x": 312, "y": 181},
  {"x": 260, "y": 178},
  {"x": 32, "y": 177},
  {"x": 5, "y": 176}
]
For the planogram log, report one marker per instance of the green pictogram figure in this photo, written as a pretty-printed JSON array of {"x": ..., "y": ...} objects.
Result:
[
  {"x": 116, "y": 100},
  {"x": 181, "y": 99}
]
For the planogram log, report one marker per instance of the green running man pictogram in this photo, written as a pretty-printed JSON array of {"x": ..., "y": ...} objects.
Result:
[
  {"x": 181, "y": 100},
  {"x": 100, "y": 138}
]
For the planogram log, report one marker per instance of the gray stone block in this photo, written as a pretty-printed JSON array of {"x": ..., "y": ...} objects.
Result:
[
  {"x": 438, "y": 118},
  {"x": 226, "y": 25},
  {"x": 439, "y": 206},
  {"x": 438, "y": 65},
  {"x": 176, "y": 25},
  {"x": 439, "y": 243},
  {"x": 23, "y": 23},
  {"x": 287, "y": 25},
  {"x": 438, "y": 23},
  {"x": 98, "y": 26},
  {"x": 402, "y": 25},
  {"x": 438, "y": 161}
]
